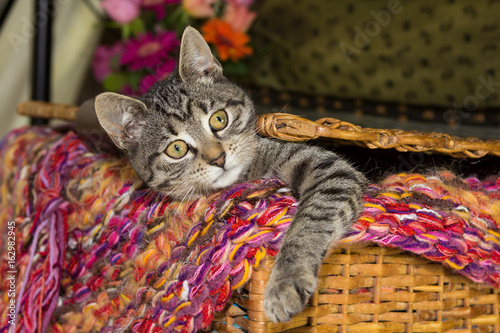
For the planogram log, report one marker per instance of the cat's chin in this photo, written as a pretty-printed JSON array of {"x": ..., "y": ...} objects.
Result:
[
  {"x": 222, "y": 180},
  {"x": 227, "y": 177}
]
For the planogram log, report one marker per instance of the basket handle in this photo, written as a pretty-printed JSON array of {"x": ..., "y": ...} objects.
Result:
[{"x": 47, "y": 110}]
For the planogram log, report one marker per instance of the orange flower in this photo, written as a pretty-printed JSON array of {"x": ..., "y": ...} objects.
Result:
[{"x": 230, "y": 44}]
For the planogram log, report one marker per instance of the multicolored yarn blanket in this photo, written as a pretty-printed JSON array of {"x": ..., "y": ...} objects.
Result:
[{"x": 91, "y": 249}]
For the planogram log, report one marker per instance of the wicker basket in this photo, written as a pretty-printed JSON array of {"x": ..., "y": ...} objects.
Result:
[
  {"x": 374, "y": 289},
  {"x": 369, "y": 288}
]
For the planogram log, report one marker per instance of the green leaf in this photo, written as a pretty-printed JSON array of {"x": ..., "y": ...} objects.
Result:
[
  {"x": 219, "y": 8},
  {"x": 178, "y": 20},
  {"x": 113, "y": 25},
  {"x": 183, "y": 21},
  {"x": 135, "y": 78},
  {"x": 137, "y": 27},
  {"x": 126, "y": 31},
  {"x": 115, "y": 82}
]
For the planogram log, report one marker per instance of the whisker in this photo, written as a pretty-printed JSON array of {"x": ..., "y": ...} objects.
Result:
[{"x": 183, "y": 198}]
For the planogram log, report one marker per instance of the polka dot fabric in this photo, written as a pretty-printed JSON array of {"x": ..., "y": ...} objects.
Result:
[
  {"x": 96, "y": 251},
  {"x": 424, "y": 52}
]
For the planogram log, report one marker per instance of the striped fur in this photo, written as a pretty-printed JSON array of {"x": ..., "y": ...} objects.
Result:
[
  {"x": 330, "y": 191},
  {"x": 179, "y": 108}
]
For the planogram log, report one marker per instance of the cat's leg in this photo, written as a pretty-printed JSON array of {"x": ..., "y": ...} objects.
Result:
[{"x": 330, "y": 192}]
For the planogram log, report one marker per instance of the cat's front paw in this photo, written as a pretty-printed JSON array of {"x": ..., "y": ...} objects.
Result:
[{"x": 286, "y": 295}]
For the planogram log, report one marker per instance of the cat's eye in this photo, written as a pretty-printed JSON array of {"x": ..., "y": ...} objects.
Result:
[
  {"x": 177, "y": 149},
  {"x": 218, "y": 121}
]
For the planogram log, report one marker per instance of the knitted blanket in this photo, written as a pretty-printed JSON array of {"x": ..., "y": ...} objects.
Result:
[{"x": 86, "y": 247}]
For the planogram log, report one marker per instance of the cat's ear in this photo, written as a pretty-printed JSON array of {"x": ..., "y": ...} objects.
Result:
[
  {"x": 196, "y": 61},
  {"x": 120, "y": 116}
]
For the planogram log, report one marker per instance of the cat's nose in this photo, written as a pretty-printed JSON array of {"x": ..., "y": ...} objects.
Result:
[{"x": 219, "y": 161}]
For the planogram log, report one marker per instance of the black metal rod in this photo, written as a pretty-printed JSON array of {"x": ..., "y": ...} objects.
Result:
[
  {"x": 42, "y": 52},
  {"x": 5, "y": 12}
]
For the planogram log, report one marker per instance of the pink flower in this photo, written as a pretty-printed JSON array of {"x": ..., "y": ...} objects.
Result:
[
  {"x": 161, "y": 73},
  {"x": 106, "y": 60},
  {"x": 158, "y": 6},
  {"x": 238, "y": 16},
  {"x": 199, "y": 8},
  {"x": 127, "y": 90},
  {"x": 122, "y": 11},
  {"x": 245, "y": 3},
  {"x": 148, "y": 50}
]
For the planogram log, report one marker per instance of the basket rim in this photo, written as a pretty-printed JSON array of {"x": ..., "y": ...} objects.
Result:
[{"x": 290, "y": 127}]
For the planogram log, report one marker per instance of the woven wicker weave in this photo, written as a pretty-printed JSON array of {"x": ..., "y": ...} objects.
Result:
[
  {"x": 374, "y": 289},
  {"x": 294, "y": 128},
  {"x": 40, "y": 109}
]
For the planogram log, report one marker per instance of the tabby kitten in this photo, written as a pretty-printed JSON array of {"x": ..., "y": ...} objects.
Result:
[{"x": 194, "y": 133}]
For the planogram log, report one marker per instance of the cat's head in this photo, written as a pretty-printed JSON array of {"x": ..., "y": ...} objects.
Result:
[{"x": 191, "y": 134}]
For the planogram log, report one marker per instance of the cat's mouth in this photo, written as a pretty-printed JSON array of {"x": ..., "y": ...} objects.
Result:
[{"x": 227, "y": 176}]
